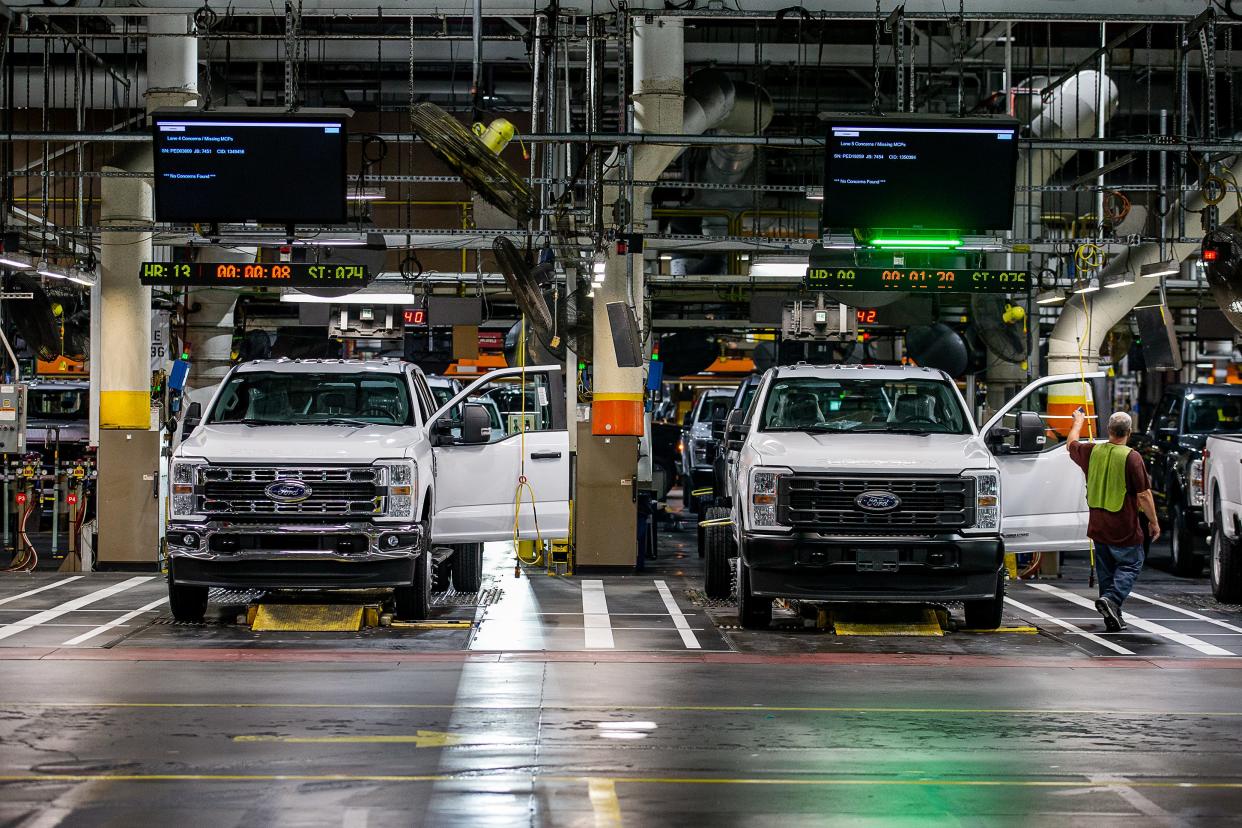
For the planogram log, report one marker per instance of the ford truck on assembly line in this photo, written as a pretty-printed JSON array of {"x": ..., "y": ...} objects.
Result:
[
  {"x": 1222, "y": 511},
  {"x": 322, "y": 474},
  {"x": 868, "y": 483}
]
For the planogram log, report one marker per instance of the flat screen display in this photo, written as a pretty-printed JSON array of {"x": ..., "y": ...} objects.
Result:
[
  {"x": 912, "y": 173},
  {"x": 285, "y": 168}
]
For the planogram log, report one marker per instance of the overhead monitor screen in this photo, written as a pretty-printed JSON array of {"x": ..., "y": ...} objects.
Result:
[
  {"x": 909, "y": 172},
  {"x": 284, "y": 168}
]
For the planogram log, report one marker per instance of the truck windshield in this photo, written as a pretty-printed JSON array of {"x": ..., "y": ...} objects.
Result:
[
  {"x": 57, "y": 404},
  {"x": 899, "y": 406},
  {"x": 285, "y": 398},
  {"x": 1213, "y": 413},
  {"x": 714, "y": 408}
]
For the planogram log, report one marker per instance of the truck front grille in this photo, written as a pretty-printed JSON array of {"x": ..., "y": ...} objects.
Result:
[
  {"x": 333, "y": 491},
  {"x": 828, "y": 504}
]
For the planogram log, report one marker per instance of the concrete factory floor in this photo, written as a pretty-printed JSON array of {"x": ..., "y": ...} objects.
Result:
[{"x": 610, "y": 700}]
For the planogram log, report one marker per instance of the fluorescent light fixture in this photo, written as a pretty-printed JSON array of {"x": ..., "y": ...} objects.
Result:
[
  {"x": 354, "y": 242},
  {"x": 919, "y": 243},
  {"x": 16, "y": 261},
  {"x": 1055, "y": 296},
  {"x": 81, "y": 277},
  {"x": 1085, "y": 286},
  {"x": 814, "y": 193},
  {"x": 778, "y": 268},
  {"x": 359, "y": 298},
  {"x": 43, "y": 268},
  {"x": 1118, "y": 280},
  {"x": 367, "y": 194},
  {"x": 1157, "y": 269}
]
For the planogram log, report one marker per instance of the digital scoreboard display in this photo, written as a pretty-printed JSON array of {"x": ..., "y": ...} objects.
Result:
[
  {"x": 243, "y": 274},
  {"x": 907, "y": 172},
  {"x": 277, "y": 168},
  {"x": 912, "y": 280}
]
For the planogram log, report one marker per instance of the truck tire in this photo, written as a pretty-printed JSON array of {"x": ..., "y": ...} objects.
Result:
[
  {"x": 754, "y": 611},
  {"x": 986, "y": 614},
  {"x": 188, "y": 603},
  {"x": 413, "y": 602},
  {"x": 1226, "y": 568},
  {"x": 466, "y": 564},
  {"x": 1186, "y": 561},
  {"x": 717, "y": 576}
]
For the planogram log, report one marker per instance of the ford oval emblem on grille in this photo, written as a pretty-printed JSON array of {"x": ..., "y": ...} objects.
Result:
[
  {"x": 877, "y": 501},
  {"x": 287, "y": 491}
]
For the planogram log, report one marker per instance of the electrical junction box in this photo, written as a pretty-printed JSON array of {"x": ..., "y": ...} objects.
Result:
[
  {"x": 366, "y": 322},
  {"x": 12, "y": 419},
  {"x": 818, "y": 320}
]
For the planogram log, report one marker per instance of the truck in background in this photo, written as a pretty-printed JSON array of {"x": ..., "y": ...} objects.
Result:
[{"x": 1222, "y": 498}]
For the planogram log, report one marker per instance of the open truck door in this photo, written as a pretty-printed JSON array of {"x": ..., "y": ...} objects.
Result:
[
  {"x": 1043, "y": 491},
  {"x": 505, "y": 426}
]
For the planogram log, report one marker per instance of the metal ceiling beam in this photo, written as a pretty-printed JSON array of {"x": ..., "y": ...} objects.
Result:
[{"x": 916, "y": 10}]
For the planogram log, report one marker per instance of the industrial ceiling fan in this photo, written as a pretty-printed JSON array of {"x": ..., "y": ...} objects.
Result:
[
  {"x": 999, "y": 324},
  {"x": 34, "y": 317},
  {"x": 475, "y": 158}
]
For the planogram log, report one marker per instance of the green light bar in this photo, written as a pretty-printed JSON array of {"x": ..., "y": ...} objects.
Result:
[{"x": 920, "y": 243}]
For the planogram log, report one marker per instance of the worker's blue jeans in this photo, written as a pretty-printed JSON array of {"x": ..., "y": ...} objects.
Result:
[{"x": 1117, "y": 568}]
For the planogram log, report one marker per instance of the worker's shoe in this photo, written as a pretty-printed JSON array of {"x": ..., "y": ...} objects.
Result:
[{"x": 1111, "y": 613}]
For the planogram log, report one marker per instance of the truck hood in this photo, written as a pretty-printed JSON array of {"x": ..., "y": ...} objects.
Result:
[
  {"x": 314, "y": 443},
  {"x": 880, "y": 453}
]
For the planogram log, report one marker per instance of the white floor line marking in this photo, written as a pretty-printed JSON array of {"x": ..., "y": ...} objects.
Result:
[
  {"x": 30, "y": 592},
  {"x": 596, "y": 625},
  {"x": 1186, "y": 612},
  {"x": 69, "y": 606},
  {"x": 679, "y": 620},
  {"x": 1117, "y": 784},
  {"x": 1103, "y": 642},
  {"x": 1134, "y": 621},
  {"x": 355, "y": 817},
  {"x": 604, "y": 802},
  {"x": 115, "y": 622}
]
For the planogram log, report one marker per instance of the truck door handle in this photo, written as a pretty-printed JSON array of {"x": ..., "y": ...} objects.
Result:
[{"x": 545, "y": 455}]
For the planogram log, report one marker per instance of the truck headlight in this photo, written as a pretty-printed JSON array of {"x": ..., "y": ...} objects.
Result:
[
  {"x": 183, "y": 489},
  {"x": 1195, "y": 493},
  {"x": 399, "y": 482},
  {"x": 987, "y": 500},
  {"x": 764, "y": 486}
]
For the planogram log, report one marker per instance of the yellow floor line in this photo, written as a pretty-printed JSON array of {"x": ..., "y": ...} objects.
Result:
[
  {"x": 604, "y": 802},
  {"x": 1166, "y": 782},
  {"x": 672, "y": 708},
  {"x": 422, "y": 738},
  {"x": 1017, "y": 630}
]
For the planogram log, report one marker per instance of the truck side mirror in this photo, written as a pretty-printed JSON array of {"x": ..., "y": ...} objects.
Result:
[
  {"x": 718, "y": 429},
  {"x": 476, "y": 424},
  {"x": 1032, "y": 435},
  {"x": 193, "y": 417},
  {"x": 735, "y": 431}
]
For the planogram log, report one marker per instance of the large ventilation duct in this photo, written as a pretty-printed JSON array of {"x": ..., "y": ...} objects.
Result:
[
  {"x": 1079, "y": 332},
  {"x": 726, "y": 164},
  {"x": 1071, "y": 111}
]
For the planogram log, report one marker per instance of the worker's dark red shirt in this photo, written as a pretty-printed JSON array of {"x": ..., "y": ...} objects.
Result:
[{"x": 1116, "y": 528}]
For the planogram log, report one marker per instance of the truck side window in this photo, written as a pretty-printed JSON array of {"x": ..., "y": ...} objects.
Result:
[
  {"x": 1055, "y": 405},
  {"x": 1170, "y": 416},
  {"x": 514, "y": 405}
]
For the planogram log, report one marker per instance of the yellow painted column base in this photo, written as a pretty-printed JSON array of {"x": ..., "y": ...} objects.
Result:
[{"x": 125, "y": 409}]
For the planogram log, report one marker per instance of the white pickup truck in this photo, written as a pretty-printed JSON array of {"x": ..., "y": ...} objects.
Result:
[
  {"x": 323, "y": 474},
  {"x": 1222, "y": 511},
  {"x": 869, "y": 483}
]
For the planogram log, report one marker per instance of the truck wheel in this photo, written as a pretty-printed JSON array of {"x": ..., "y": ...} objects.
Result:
[
  {"x": 1226, "y": 569},
  {"x": 986, "y": 614},
  {"x": 1186, "y": 561},
  {"x": 717, "y": 577},
  {"x": 466, "y": 564},
  {"x": 188, "y": 603},
  {"x": 414, "y": 601},
  {"x": 754, "y": 611}
]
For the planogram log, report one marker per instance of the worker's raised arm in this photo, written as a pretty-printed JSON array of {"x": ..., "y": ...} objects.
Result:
[{"x": 1080, "y": 417}]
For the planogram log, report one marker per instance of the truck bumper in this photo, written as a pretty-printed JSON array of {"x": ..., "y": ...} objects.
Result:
[
  {"x": 811, "y": 567},
  {"x": 267, "y": 556}
]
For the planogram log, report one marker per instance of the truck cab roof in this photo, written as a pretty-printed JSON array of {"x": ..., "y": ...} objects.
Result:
[
  {"x": 328, "y": 366},
  {"x": 860, "y": 371}
]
